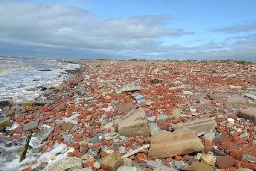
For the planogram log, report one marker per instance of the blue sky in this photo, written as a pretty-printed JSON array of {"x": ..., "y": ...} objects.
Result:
[{"x": 184, "y": 29}]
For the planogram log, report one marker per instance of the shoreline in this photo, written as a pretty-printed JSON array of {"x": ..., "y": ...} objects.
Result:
[{"x": 84, "y": 112}]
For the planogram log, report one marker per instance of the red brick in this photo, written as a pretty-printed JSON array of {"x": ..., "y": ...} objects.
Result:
[
  {"x": 141, "y": 157},
  {"x": 178, "y": 158}
]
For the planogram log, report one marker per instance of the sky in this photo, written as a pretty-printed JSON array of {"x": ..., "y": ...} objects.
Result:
[{"x": 115, "y": 29}]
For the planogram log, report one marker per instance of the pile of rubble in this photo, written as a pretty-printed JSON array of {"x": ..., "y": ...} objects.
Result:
[{"x": 137, "y": 115}]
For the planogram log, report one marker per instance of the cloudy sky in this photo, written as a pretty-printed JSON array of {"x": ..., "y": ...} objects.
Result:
[{"x": 155, "y": 29}]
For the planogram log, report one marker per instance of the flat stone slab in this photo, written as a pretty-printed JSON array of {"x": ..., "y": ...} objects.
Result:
[
  {"x": 249, "y": 114},
  {"x": 180, "y": 142},
  {"x": 129, "y": 88},
  {"x": 237, "y": 100},
  {"x": 199, "y": 125},
  {"x": 30, "y": 125}
]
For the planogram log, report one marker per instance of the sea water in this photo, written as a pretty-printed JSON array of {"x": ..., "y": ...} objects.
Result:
[{"x": 22, "y": 78}]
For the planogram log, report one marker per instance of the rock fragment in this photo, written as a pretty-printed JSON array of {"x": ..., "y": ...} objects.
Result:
[
  {"x": 249, "y": 114},
  {"x": 236, "y": 100},
  {"x": 4, "y": 122},
  {"x": 111, "y": 162},
  {"x": 225, "y": 162},
  {"x": 135, "y": 123},
  {"x": 130, "y": 88},
  {"x": 180, "y": 142},
  {"x": 199, "y": 125},
  {"x": 68, "y": 163},
  {"x": 252, "y": 96},
  {"x": 201, "y": 166},
  {"x": 138, "y": 97},
  {"x": 30, "y": 125},
  {"x": 125, "y": 107},
  {"x": 39, "y": 137},
  {"x": 127, "y": 168}
]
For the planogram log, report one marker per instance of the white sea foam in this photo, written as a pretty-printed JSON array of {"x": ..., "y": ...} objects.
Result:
[{"x": 23, "y": 76}]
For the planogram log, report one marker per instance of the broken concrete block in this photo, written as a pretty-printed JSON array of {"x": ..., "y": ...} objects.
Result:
[
  {"x": 138, "y": 97},
  {"x": 68, "y": 163},
  {"x": 129, "y": 88},
  {"x": 176, "y": 135},
  {"x": 180, "y": 142},
  {"x": 38, "y": 138},
  {"x": 30, "y": 125},
  {"x": 135, "y": 123},
  {"x": 111, "y": 162},
  {"x": 237, "y": 100},
  {"x": 249, "y": 114},
  {"x": 199, "y": 125}
]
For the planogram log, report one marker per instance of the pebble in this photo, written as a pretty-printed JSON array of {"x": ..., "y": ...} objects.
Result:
[{"x": 127, "y": 168}]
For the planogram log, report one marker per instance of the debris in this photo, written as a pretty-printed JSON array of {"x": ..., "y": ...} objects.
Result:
[
  {"x": 199, "y": 125},
  {"x": 4, "y": 122},
  {"x": 235, "y": 87},
  {"x": 153, "y": 164},
  {"x": 138, "y": 97},
  {"x": 225, "y": 162},
  {"x": 25, "y": 149},
  {"x": 130, "y": 88},
  {"x": 250, "y": 96},
  {"x": 112, "y": 162},
  {"x": 201, "y": 166},
  {"x": 249, "y": 114},
  {"x": 209, "y": 159},
  {"x": 179, "y": 142},
  {"x": 136, "y": 151},
  {"x": 38, "y": 138},
  {"x": 176, "y": 113},
  {"x": 236, "y": 100},
  {"x": 125, "y": 107},
  {"x": 135, "y": 123},
  {"x": 154, "y": 129},
  {"x": 127, "y": 168},
  {"x": 66, "y": 164},
  {"x": 178, "y": 87},
  {"x": 30, "y": 125}
]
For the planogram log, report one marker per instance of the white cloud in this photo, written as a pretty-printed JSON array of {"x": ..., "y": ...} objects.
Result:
[{"x": 63, "y": 31}]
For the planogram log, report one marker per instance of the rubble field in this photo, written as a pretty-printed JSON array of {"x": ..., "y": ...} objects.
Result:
[{"x": 137, "y": 116}]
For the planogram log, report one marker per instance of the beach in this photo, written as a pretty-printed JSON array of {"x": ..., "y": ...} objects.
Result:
[{"x": 131, "y": 115}]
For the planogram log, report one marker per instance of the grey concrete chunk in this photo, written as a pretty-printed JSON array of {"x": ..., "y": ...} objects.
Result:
[
  {"x": 38, "y": 138},
  {"x": 65, "y": 164},
  {"x": 127, "y": 168},
  {"x": 30, "y": 125}
]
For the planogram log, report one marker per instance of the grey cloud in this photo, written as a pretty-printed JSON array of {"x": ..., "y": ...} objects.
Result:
[{"x": 246, "y": 27}]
